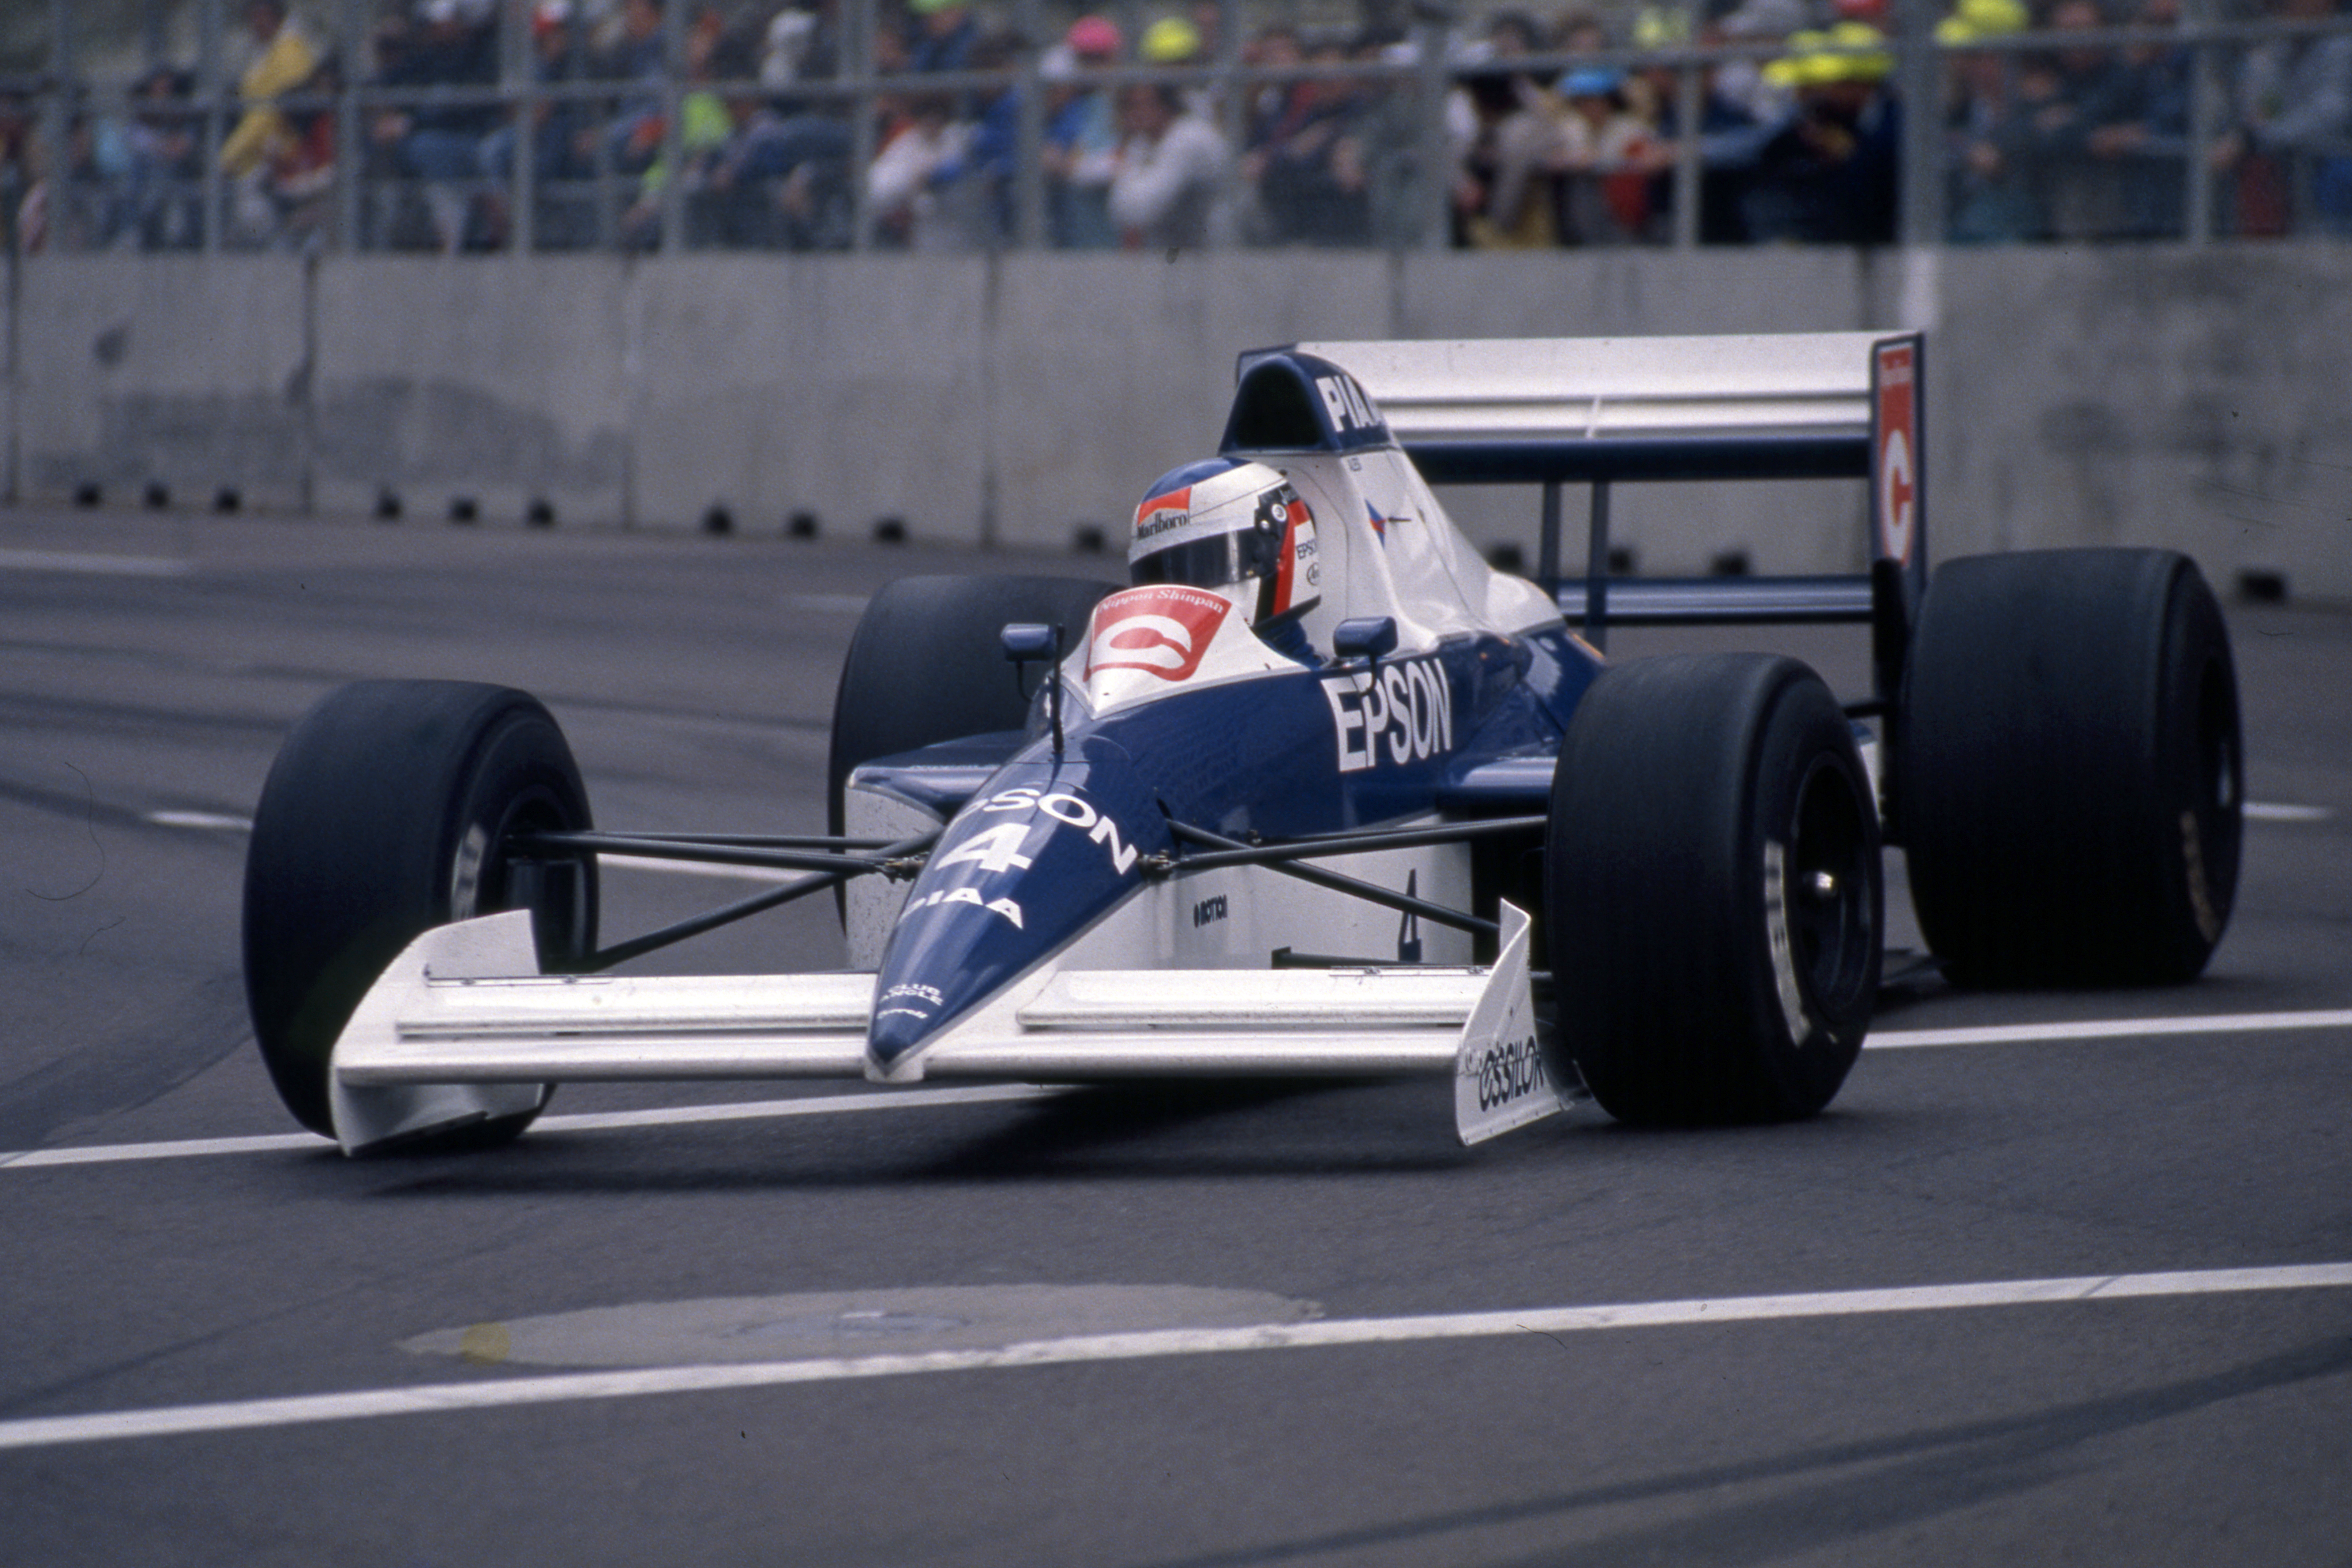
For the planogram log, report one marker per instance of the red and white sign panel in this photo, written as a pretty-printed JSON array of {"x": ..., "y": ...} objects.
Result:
[
  {"x": 1894, "y": 383},
  {"x": 1163, "y": 630}
]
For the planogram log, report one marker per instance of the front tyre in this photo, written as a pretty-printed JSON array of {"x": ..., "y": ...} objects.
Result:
[
  {"x": 391, "y": 809},
  {"x": 1712, "y": 892}
]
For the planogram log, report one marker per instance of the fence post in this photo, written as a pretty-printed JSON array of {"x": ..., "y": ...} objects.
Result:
[
  {"x": 2207, "y": 100},
  {"x": 1920, "y": 69},
  {"x": 673, "y": 147},
  {"x": 857, "y": 62},
  {"x": 1690, "y": 113},
  {"x": 352, "y": 37},
  {"x": 57, "y": 117},
  {"x": 1430, "y": 22},
  {"x": 1029, "y": 137},
  {"x": 519, "y": 70},
  {"x": 209, "y": 89}
]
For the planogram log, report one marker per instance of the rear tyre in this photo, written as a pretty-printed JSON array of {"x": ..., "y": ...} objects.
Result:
[
  {"x": 2068, "y": 776},
  {"x": 927, "y": 664},
  {"x": 1712, "y": 891},
  {"x": 388, "y": 812}
]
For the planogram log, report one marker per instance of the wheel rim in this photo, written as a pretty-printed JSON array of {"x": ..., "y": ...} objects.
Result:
[
  {"x": 557, "y": 892},
  {"x": 1832, "y": 926},
  {"x": 2211, "y": 844}
]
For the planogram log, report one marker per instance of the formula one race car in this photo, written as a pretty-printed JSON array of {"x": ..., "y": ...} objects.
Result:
[{"x": 1323, "y": 792}]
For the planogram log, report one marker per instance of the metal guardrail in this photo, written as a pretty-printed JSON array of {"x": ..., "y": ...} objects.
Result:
[{"x": 613, "y": 203}]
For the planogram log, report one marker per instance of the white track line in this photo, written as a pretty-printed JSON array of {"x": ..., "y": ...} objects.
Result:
[
  {"x": 908, "y": 1100},
  {"x": 96, "y": 565},
  {"x": 2256, "y": 810},
  {"x": 2110, "y": 1029},
  {"x": 2273, "y": 811},
  {"x": 200, "y": 821},
  {"x": 585, "y": 1122},
  {"x": 445, "y": 1399}
]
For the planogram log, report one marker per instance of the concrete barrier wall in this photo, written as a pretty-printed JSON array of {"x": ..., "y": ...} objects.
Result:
[
  {"x": 2200, "y": 400},
  {"x": 173, "y": 369},
  {"x": 2192, "y": 398}
]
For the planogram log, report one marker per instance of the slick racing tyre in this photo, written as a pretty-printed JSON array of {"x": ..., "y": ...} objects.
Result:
[
  {"x": 389, "y": 811},
  {"x": 2067, "y": 776},
  {"x": 927, "y": 664},
  {"x": 1712, "y": 891}
]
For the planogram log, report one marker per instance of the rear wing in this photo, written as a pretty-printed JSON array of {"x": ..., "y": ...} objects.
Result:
[{"x": 1597, "y": 411}]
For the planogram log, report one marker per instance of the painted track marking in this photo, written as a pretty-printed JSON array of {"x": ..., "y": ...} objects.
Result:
[
  {"x": 586, "y": 1122},
  {"x": 2111, "y": 1029},
  {"x": 2256, "y": 811},
  {"x": 199, "y": 821},
  {"x": 447, "y": 1398},
  {"x": 94, "y": 565},
  {"x": 2273, "y": 811},
  {"x": 903, "y": 1100}
]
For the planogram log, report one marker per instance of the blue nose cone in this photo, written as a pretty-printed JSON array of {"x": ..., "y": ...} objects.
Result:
[{"x": 1036, "y": 858}]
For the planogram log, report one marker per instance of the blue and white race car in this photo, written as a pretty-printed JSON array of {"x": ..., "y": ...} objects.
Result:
[{"x": 1322, "y": 792}]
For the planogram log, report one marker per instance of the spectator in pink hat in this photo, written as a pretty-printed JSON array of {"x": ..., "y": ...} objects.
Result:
[{"x": 1079, "y": 150}]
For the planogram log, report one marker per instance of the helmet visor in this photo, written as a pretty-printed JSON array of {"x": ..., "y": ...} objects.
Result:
[{"x": 1215, "y": 562}]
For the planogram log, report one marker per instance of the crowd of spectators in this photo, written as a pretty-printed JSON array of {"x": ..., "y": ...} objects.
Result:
[{"x": 1553, "y": 131}]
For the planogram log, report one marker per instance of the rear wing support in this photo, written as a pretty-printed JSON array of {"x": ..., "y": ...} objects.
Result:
[{"x": 1598, "y": 412}]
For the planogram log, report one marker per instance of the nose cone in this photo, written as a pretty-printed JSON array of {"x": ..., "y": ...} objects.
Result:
[{"x": 1038, "y": 856}]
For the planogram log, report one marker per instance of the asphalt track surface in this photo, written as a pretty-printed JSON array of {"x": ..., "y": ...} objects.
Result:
[{"x": 2031, "y": 1291}]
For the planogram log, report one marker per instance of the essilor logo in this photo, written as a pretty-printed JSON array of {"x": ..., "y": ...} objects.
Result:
[{"x": 1164, "y": 629}]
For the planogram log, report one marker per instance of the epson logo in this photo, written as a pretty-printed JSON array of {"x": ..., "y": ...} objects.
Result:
[{"x": 1398, "y": 711}]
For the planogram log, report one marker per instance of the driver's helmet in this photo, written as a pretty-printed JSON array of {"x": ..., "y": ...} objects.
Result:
[{"x": 1231, "y": 526}]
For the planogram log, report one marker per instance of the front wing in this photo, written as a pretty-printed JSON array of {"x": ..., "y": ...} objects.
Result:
[{"x": 462, "y": 1028}]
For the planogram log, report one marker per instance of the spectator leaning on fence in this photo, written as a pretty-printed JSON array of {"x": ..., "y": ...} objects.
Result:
[
  {"x": 166, "y": 140},
  {"x": 1992, "y": 190},
  {"x": 1730, "y": 137},
  {"x": 303, "y": 169},
  {"x": 1504, "y": 181},
  {"x": 1606, "y": 155},
  {"x": 1080, "y": 146},
  {"x": 1178, "y": 41},
  {"x": 1171, "y": 170},
  {"x": 1307, "y": 161},
  {"x": 283, "y": 61},
  {"x": 704, "y": 126},
  {"x": 900, "y": 183},
  {"x": 2292, "y": 148},
  {"x": 454, "y": 43},
  {"x": 2150, "y": 136},
  {"x": 944, "y": 35},
  {"x": 1829, "y": 175}
]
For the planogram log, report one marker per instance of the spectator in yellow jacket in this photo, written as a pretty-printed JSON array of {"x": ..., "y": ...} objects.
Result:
[{"x": 286, "y": 60}]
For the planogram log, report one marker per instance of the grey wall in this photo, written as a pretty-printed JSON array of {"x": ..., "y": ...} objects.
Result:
[{"x": 2192, "y": 398}]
